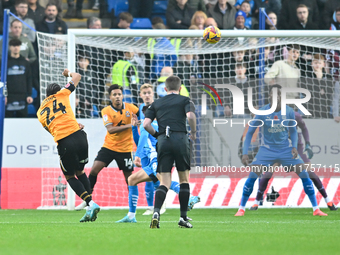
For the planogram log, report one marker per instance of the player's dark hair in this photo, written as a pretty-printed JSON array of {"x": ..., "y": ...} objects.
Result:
[
  {"x": 337, "y": 10},
  {"x": 247, "y": 2},
  {"x": 274, "y": 86},
  {"x": 113, "y": 87},
  {"x": 173, "y": 83},
  {"x": 52, "y": 89},
  {"x": 14, "y": 42}
]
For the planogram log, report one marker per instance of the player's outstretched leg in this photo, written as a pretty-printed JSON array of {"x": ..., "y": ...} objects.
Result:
[
  {"x": 133, "y": 200},
  {"x": 318, "y": 184},
  {"x": 149, "y": 194},
  {"x": 85, "y": 181},
  {"x": 309, "y": 190},
  {"x": 263, "y": 183},
  {"x": 247, "y": 190}
]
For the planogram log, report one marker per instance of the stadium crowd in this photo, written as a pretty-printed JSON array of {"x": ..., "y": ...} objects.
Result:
[{"x": 313, "y": 68}]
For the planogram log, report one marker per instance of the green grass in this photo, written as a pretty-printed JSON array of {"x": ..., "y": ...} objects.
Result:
[{"x": 216, "y": 231}]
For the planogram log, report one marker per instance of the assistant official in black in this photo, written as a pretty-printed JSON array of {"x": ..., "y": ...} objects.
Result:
[{"x": 173, "y": 145}]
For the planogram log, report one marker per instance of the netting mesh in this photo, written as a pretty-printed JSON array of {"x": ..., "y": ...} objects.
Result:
[{"x": 310, "y": 63}]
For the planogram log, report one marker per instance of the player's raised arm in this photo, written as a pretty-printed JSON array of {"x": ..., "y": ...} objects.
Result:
[{"x": 75, "y": 76}]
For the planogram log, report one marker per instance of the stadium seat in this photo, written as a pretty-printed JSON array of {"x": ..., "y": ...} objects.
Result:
[
  {"x": 141, "y": 23},
  {"x": 219, "y": 111},
  {"x": 128, "y": 98},
  {"x": 32, "y": 112},
  {"x": 95, "y": 111},
  {"x": 120, "y": 6},
  {"x": 159, "y": 7}
]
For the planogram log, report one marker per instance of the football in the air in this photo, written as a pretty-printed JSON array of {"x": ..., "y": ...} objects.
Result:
[{"x": 212, "y": 34}]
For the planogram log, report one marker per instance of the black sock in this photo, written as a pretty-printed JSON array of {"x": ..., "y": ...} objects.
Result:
[
  {"x": 160, "y": 197},
  {"x": 318, "y": 184},
  {"x": 93, "y": 180},
  {"x": 86, "y": 183},
  {"x": 183, "y": 195},
  {"x": 79, "y": 189}
]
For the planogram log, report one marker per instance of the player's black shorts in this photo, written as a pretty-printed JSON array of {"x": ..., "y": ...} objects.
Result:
[
  {"x": 176, "y": 149},
  {"x": 123, "y": 159},
  {"x": 73, "y": 152}
]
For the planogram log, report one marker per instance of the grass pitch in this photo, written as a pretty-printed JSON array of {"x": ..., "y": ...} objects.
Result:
[{"x": 216, "y": 231}]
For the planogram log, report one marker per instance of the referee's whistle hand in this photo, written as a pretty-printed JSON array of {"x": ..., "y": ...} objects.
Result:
[{"x": 192, "y": 136}]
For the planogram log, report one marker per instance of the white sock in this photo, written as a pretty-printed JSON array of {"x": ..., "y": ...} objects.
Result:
[
  {"x": 91, "y": 203},
  {"x": 151, "y": 208},
  {"x": 131, "y": 215},
  {"x": 315, "y": 208},
  {"x": 327, "y": 200},
  {"x": 257, "y": 202},
  {"x": 242, "y": 207}
]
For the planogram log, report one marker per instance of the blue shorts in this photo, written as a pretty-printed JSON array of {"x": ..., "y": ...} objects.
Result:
[
  {"x": 283, "y": 156},
  {"x": 152, "y": 167}
]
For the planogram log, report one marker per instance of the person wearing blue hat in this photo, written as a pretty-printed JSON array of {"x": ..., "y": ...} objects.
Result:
[{"x": 240, "y": 19}]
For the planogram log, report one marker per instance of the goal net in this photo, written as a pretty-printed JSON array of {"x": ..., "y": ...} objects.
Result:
[{"x": 241, "y": 58}]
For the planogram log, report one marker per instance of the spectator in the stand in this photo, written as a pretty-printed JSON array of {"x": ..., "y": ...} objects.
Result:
[
  {"x": 285, "y": 72},
  {"x": 141, "y": 8},
  {"x": 335, "y": 25},
  {"x": 320, "y": 85},
  {"x": 242, "y": 81},
  {"x": 288, "y": 12},
  {"x": 26, "y": 47},
  {"x": 156, "y": 20},
  {"x": 271, "y": 21},
  {"x": 303, "y": 22},
  {"x": 161, "y": 52},
  {"x": 87, "y": 90},
  {"x": 239, "y": 3},
  {"x": 125, "y": 74},
  {"x": 210, "y": 22},
  {"x": 209, "y": 3},
  {"x": 8, "y": 4},
  {"x": 21, "y": 9},
  {"x": 179, "y": 16},
  {"x": 125, "y": 20},
  {"x": 159, "y": 85},
  {"x": 236, "y": 57},
  {"x": 19, "y": 82},
  {"x": 268, "y": 62},
  {"x": 250, "y": 22},
  {"x": 327, "y": 17},
  {"x": 240, "y": 19},
  {"x": 270, "y": 6},
  {"x": 224, "y": 14},
  {"x": 196, "y": 5},
  {"x": 199, "y": 19},
  {"x": 51, "y": 24},
  {"x": 35, "y": 11},
  {"x": 188, "y": 69},
  {"x": 94, "y": 23},
  {"x": 74, "y": 12}
]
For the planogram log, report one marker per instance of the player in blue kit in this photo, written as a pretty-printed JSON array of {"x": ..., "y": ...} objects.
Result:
[
  {"x": 146, "y": 151},
  {"x": 306, "y": 155},
  {"x": 276, "y": 148}
]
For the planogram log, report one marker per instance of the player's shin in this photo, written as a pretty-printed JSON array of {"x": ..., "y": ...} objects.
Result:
[
  {"x": 85, "y": 181},
  {"x": 248, "y": 189},
  {"x": 133, "y": 200},
  {"x": 263, "y": 183},
  {"x": 183, "y": 195},
  {"x": 308, "y": 188},
  {"x": 93, "y": 180},
  {"x": 318, "y": 184},
  {"x": 79, "y": 189}
]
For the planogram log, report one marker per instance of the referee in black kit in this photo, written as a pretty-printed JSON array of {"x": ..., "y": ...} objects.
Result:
[{"x": 173, "y": 145}]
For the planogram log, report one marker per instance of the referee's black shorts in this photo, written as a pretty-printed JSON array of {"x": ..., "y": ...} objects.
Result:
[
  {"x": 73, "y": 152},
  {"x": 176, "y": 149}
]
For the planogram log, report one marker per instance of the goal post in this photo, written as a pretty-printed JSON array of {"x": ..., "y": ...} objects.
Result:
[{"x": 197, "y": 63}]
